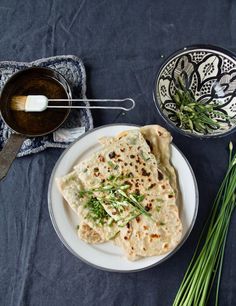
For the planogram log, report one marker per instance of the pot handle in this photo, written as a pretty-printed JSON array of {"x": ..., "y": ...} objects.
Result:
[{"x": 8, "y": 153}]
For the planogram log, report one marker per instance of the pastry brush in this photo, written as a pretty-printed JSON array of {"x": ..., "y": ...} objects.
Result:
[{"x": 39, "y": 103}]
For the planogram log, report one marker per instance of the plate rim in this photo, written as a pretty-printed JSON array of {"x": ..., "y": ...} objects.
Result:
[{"x": 62, "y": 239}]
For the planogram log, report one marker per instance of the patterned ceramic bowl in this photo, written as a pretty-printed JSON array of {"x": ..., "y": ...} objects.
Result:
[{"x": 210, "y": 74}]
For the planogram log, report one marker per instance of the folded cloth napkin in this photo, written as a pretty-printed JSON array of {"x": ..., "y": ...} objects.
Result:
[{"x": 78, "y": 121}]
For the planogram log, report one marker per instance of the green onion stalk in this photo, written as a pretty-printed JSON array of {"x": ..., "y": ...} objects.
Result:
[{"x": 206, "y": 265}]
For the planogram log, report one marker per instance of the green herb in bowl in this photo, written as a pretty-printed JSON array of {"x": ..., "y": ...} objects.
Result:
[{"x": 195, "y": 115}]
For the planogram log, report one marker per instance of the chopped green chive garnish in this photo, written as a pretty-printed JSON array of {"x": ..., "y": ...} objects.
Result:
[
  {"x": 110, "y": 163},
  {"x": 107, "y": 187},
  {"x": 139, "y": 198},
  {"x": 82, "y": 193},
  {"x": 114, "y": 196},
  {"x": 110, "y": 221},
  {"x": 144, "y": 156},
  {"x": 96, "y": 211},
  {"x": 124, "y": 187}
]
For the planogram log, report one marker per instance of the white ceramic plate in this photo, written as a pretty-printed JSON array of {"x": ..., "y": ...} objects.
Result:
[{"x": 107, "y": 256}]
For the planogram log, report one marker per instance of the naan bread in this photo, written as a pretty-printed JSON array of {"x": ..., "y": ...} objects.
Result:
[{"x": 138, "y": 159}]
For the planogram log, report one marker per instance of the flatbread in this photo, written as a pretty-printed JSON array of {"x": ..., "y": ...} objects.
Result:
[
  {"x": 138, "y": 160},
  {"x": 159, "y": 140}
]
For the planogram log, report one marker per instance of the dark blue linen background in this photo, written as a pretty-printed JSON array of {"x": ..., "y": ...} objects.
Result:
[{"x": 122, "y": 44}]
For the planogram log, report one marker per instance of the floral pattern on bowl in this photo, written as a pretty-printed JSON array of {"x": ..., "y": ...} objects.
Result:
[{"x": 210, "y": 73}]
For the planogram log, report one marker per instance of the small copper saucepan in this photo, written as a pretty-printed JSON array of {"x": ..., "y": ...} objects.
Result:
[{"x": 31, "y": 81}]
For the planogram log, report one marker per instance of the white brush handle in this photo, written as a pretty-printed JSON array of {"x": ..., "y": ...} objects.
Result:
[{"x": 36, "y": 103}]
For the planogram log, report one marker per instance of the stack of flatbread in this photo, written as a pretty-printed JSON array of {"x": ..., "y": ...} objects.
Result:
[{"x": 131, "y": 187}]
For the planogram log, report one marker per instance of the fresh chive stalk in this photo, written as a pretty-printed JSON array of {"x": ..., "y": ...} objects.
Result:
[{"x": 207, "y": 262}]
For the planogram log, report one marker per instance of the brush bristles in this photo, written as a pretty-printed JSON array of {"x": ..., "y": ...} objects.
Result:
[{"x": 18, "y": 103}]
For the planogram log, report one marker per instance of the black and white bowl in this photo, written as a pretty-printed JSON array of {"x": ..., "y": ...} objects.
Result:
[{"x": 210, "y": 73}]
